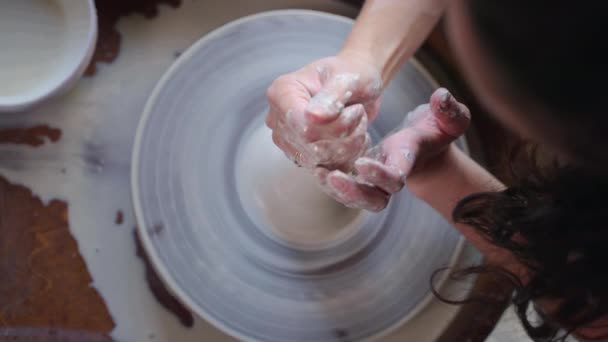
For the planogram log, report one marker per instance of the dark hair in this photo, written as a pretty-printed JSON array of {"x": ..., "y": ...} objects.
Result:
[
  {"x": 554, "y": 218},
  {"x": 552, "y": 53},
  {"x": 554, "y": 222}
]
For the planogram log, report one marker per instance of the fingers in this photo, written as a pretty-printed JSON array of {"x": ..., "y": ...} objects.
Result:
[
  {"x": 346, "y": 190},
  {"x": 271, "y": 120},
  {"x": 344, "y": 125},
  {"x": 374, "y": 183},
  {"x": 286, "y": 93},
  {"x": 284, "y": 131},
  {"x": 388, "y": 178},
  {"x": 428, "y": 130},
  {"x": 401, "y": 152},
  {"x": 453, "y": 117},
  {"x": 327, "y": 104},
  {"x": 330, "y": 152},
  {"x": 286, "y": 147},
  {"x": 351, "y": 118},
  {"x": 324, "y": 129},
  {"x": 390, "y": 174},
  {"x": 333, "y": 153},
  {"x": 287, "y": 100}
]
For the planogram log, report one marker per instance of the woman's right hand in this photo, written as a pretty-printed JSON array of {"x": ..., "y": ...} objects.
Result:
[{"x": 319, "y": 114}]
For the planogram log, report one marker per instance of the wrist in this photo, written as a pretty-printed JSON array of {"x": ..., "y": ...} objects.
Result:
[
  {"x": 387, "y": 37},
  {"x": 421, "y": 182},
  {"x": 363, "y": 57},
  {"x": 451, "y": 174},
  {"x": 376, "y": 57}
]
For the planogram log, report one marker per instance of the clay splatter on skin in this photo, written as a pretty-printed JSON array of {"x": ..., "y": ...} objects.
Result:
[
  {"x": 159, "y": 290},
  {"x": 32, "y": 136},
  {"x": 41, "y": 267},
  {"x": 408, "y": 155},
  {"x": 109, "y": 39}
]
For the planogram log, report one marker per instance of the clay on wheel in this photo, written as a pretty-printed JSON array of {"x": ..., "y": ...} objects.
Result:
[{"x": 285, "y": 201}]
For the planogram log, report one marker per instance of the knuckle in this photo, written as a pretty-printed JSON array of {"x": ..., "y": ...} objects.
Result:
[
  {"x": 279, "y": 83},
  {"x": 379, "y": 206},
  {"x": 276, "y": 139},
  {"x": 269, "y": 122},
  {"x": 284, "y": 79},
  {"x": 357, "y": 110},
  {"x": 270, "y": 92},
  {"x": 368, "y": 141}
]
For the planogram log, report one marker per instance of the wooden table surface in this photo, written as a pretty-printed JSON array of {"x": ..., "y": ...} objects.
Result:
[{"x": 45, "y": 292}]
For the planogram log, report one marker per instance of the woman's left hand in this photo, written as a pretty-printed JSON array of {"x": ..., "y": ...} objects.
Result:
[{"x": 426, "y": 133}]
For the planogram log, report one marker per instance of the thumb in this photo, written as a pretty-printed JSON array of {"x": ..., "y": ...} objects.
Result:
[
  {"x": 327, "y": 104},
  {"x": 453, "y": 117}
]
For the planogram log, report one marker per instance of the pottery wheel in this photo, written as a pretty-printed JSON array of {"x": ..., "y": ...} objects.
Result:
[{"x": 234, "y": 235}]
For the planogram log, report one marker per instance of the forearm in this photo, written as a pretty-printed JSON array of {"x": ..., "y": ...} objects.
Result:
[
  {"x": 388, "y": 32},
  {"x": 448, "y": 180}
]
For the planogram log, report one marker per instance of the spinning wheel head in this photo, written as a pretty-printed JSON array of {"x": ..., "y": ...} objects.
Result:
[{"x": 249, "y": 242}]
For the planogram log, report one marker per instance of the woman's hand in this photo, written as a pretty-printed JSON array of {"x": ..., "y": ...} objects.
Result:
[
  {"x": 319, "y": 114},
  {"x": 426, "y": 134}
]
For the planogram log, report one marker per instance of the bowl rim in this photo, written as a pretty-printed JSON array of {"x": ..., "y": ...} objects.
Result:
[{"x": 20, "y": 102}]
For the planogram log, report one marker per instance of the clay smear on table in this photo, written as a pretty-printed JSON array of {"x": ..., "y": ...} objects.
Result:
[
  {"x": 32, "y": 136},
  {"x": 45, "y": 282}
]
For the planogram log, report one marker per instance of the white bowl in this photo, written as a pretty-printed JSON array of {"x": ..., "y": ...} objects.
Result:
[{"x": 45, "y": 47}]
